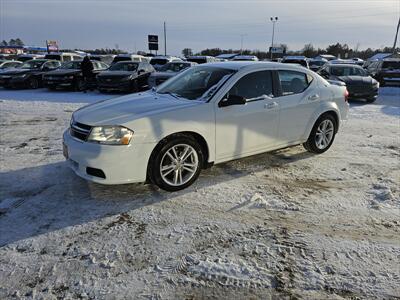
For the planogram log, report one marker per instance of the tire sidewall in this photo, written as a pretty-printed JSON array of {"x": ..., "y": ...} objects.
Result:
[
  {"x": 33, "y": 83},
  {"x": 155, "y": 161},
  {"x": 312, "y": 142}
]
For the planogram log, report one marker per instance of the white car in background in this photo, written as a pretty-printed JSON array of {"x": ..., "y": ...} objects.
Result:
[
  {"x": 159, "y": 61},
  {"x": 208, "y": 114}
]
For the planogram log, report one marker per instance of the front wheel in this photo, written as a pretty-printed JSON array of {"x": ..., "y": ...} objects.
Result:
[
  {"x": 177, "y": 164},
  {"x": 322, "y": 134},
  {"x": 33, "y": 83}
]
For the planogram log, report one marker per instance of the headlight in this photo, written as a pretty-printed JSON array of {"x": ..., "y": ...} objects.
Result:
[
  {"x": 69, "y": 77},
  {"x": 376, "y": 84},
  {"x": 110, "y": 135}
]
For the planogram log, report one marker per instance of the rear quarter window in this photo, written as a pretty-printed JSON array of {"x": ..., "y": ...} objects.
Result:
[{"x": 294, "y": 82}]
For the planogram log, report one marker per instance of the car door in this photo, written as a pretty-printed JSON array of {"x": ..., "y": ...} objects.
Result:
[
  {"x": 298, "y": 99},
  {"x": 247, "y": 129}
]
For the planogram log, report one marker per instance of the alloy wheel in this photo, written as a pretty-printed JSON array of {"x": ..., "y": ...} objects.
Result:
[
  {"x": 324, "y": 134},
  {"x": 179, "y": 164}
]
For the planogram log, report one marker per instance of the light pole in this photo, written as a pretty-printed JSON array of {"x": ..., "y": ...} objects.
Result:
[
  {"x": 273, "y": 20},
  {"x": 241, "y": 43}
]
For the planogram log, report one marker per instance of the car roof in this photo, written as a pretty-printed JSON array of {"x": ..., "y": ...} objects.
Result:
[
  {"x": 247, "y": 64},
  {"x": 345, "y": 65}
]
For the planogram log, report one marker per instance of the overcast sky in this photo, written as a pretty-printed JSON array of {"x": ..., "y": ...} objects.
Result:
[{"x": 199, "y": 24}]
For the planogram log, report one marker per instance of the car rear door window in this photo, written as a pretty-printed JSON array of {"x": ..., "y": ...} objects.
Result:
[
  {"x": 253, "y": 85},
  {"x": 293, "y": 82}
]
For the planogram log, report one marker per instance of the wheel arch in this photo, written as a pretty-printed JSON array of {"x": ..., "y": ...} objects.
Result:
[
  {"x": 317, "y": 115},
  {"x": 198, "y": 137}
]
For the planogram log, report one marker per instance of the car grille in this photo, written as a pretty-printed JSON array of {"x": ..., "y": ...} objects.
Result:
[
  {"x": 80, "y": 131},
  {"x": 113, "y": 79},
  {"x": 360, "y": 88}
]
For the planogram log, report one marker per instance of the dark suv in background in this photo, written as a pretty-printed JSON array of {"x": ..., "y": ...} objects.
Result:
[
  {"x": 387, "y": 71},
  {"x": 168, "y": 71},
  {"x": 29, "y": 74},
  {"x": 300, "y": 60},
  {"x": 127, "y": 76},
  {"x": 69, "y": 75}
]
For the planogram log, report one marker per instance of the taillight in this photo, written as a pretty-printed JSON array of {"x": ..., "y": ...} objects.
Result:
[{"x": 346, "y": 95}]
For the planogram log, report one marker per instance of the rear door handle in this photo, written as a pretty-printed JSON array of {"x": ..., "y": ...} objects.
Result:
[
  {"x": 313, "y": 97},
  {"x": 271, "y": 105}
]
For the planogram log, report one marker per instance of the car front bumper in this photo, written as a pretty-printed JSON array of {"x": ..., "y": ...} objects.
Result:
[
  {"x": 115, "y": 86},
  {"x": 362, "y": 92},
  {"x": 120, "y": 164},
  {"x": 57, "y": 82}
]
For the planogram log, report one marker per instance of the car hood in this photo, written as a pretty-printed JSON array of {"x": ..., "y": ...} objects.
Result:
[
  {"x": 17, "y": 71},
  {"x": 163, "y": 74},
  {"x": 63, "y": 72},
  {"x": 122, "y": 110},
  {"x": 116, "y": 73},
  {"x": 356, "y": 79}
]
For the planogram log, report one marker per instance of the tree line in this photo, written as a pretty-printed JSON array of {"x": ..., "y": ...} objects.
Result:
[
  {"x": 338, "y": 50},
  {"x": 12, "y": 42}
]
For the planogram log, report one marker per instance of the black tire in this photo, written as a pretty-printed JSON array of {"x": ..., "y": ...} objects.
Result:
[
  {"x": 79, "y": 85},
  {"x": 371, "y": 99},
  {"x": 33, "y": 83},
  {"x": 134, "y": 86},
  {"x": 312, "y": 143},
  {"x": 160, "y": 154}
]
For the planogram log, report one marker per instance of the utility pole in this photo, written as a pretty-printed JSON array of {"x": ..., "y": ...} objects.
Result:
[
  {"x": 165, "y": 39},
  {"x": 241, "y": 43},
  {"x": 273, "y": 20},
  {"x": 395, "y": 39}
]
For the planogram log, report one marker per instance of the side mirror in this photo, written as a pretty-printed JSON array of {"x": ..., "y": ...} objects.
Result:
[{"x": 232, "y": 100}]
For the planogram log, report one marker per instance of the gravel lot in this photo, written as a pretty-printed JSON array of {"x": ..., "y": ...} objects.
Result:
[{"x": 282, "y": 224}]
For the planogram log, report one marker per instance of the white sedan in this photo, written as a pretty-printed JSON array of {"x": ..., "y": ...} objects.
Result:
[{"x": 208, "y": 114}]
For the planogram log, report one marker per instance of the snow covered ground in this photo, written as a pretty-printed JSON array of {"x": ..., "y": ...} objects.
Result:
[{"x": 285, "y": 224}]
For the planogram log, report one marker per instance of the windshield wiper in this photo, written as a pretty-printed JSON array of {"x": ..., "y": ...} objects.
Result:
[{"x": 176, "y": 96}]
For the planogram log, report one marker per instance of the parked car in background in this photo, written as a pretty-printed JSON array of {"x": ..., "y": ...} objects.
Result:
[
  {"x": 386, "y": 71},
  {"x": 358, "y": 82},
  {"x": 158, "y": 61},
  {"x": 316, "y": 64},
  {"x": 245, "y": 58},
  {"x": 8, "y": 64},
  {"x": 300, "y": 60},
  {"x": 26, "y": 57},
  {"x": 28, "y": 75},
  {"x": 130, "y": 57},
  {"x": 105, "y": 58},
  {"x": 358, "y": 61},
  {"x": 227, "y": 56},
  {"x": 69, "y": 75},
  {"x": 328, "y": 57},
  {"x": 201, "y": 59},
  {"x": 126, "y": 76},
  {"x": 168, "y": 71},
  {"x": 207, "y": 114},
  {"x": 343, "y": 61},
  {"x": 63, "y": 56}
]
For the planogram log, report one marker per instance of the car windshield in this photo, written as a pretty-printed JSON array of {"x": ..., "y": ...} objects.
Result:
[
  {"x": 158, "y": 61},
  {"x": 196, "y": 83},
  {"x": 75, "y": 65},
  {"x": 199, "y": 60},
  {"x": 348, "y": 71},
  {"x": 295, "y": 61},
  {"x": 124, "y": 67},
  {"x": 391, "y": 65},
  {"x": 32, "y": 64},
  {"x": 53, "y": 56},
  {"x": 174, "y": 67},
  {"x": 121, "y": 58},
  {"x": 317, "y": 63}
]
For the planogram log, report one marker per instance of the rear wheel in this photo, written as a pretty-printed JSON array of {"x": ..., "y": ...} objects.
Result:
[
  {"x": 176, "y": 164},
  {"x": 322, "y": 134}
]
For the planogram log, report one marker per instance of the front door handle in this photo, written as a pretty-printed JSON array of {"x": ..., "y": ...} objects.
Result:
[
  {"x": 271, "y": 105},
  {"x": 313, "y": 97}
]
